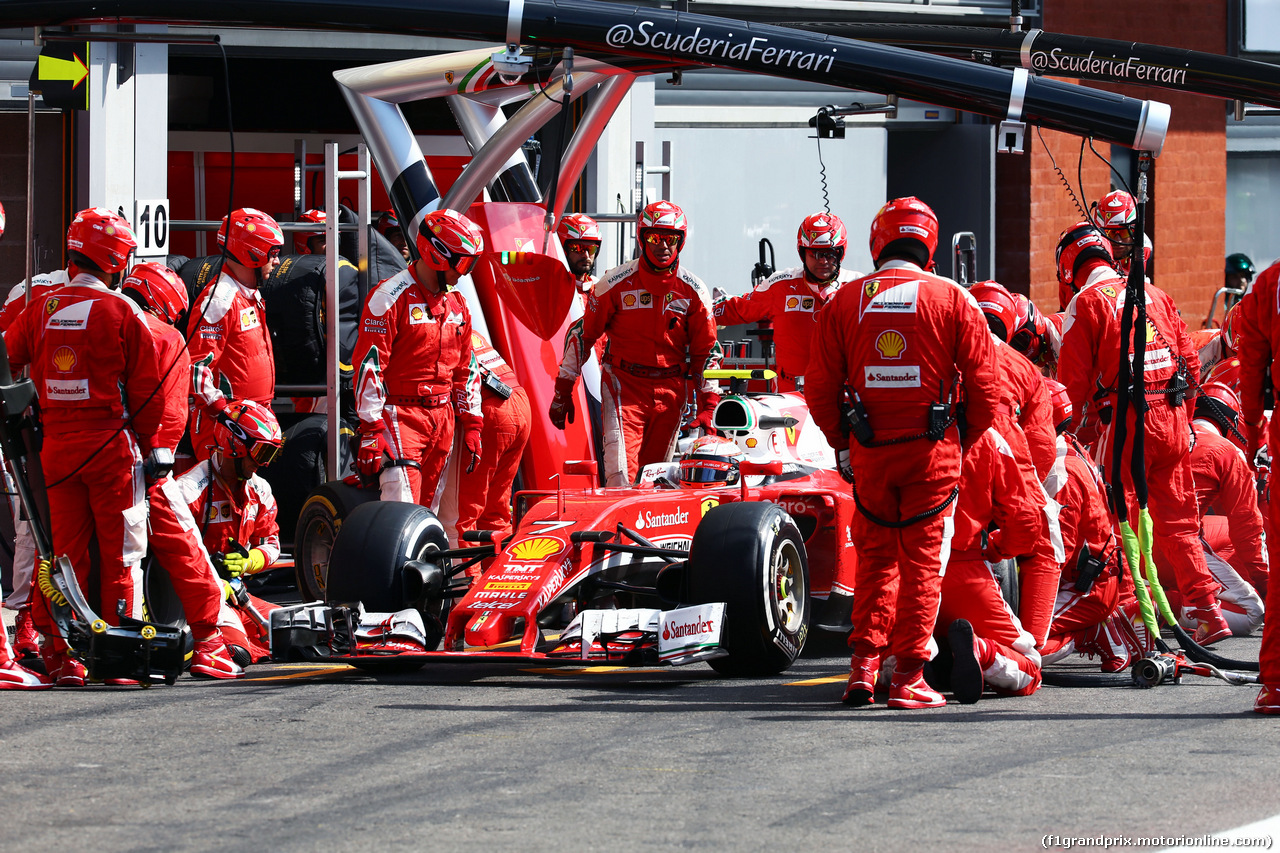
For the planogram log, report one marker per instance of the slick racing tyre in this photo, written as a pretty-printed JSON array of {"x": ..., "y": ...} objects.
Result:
[
  {"x": 318, "y": 524},
  {"x": 751, "y": 556},
  {"x": 369, "y": 554},
  {"x": 160, "y": 602}
]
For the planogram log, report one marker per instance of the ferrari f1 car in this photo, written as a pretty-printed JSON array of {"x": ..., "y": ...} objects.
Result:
[{"x": 662, "y": 573}]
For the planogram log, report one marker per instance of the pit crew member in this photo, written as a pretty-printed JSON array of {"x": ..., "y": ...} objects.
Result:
[
  {"x": 988, "y": 643},
  {"x": 94, "y": 364},
  {"x": 904, "y": 341},
  {"x": 1087, "y": 617},
  {"x": 415, "y": 369},
  {"x": 1088, "y": 367},
  {"x": 311, "y": 242},
  {"x": 174, "y": 538},
  {"x": 231, "y": 356},
  {"x": 791, "y": 298},
  {"x": 662, "y": 338},
  {"x": 236, "y": 514},
  {"x": 1225, "y": 486},
  {"x": 484, "y": 495}
]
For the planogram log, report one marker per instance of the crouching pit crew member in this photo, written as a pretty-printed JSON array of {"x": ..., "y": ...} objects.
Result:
[
  {"x": 415, "y": 368},
  {"x": 791, "y": 298},
  {"x": 1088, "y": 367},
  {"x": 94, "y": 364},
  {"x": 227, "y": 335},
  {"x": 174, "y": 537},
  {"x": 658, "y": 317},
  {"x": 903, "y": 342},
  {"x": 236, "y": 514}
]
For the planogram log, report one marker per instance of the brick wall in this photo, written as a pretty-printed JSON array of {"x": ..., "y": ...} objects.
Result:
[{"x": 1189, "y": 186}]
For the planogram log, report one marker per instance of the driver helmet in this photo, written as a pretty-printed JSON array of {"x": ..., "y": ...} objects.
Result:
[
  {"x": 710, "y": 461},
  {"x": 1239, "y": 262}
]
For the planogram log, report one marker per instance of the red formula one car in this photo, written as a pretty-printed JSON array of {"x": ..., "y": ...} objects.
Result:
[{"x": 661, "y": 573}]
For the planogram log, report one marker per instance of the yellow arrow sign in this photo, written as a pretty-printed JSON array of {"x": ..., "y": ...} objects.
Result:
[{"x": 72, "y": 70}]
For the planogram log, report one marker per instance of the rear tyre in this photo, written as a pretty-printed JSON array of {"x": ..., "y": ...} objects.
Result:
[
  {"x": 751, "y": 556},
  {"x": 160, "y": 603},
  {"x": 368, "y": 557},
  {"x": 318, "y": 524}
]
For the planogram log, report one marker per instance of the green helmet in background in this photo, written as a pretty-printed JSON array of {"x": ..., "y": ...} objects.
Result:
[{"x": 1240, "y": 263}]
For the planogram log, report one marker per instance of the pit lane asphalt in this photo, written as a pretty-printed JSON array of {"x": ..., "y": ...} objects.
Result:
[{"x": 302, "y": 757}]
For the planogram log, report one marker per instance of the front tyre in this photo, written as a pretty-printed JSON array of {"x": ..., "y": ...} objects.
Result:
[{"x": 751, "y": 556}]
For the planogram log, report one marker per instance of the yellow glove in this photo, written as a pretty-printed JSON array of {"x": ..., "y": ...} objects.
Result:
[{"x": 238, "y": 565}]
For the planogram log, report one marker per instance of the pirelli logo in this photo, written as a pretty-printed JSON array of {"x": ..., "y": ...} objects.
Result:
[{"x": 506, "y": 586}]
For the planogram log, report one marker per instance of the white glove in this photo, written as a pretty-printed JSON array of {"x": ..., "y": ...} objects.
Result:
[{"x": 844, "y": 465}]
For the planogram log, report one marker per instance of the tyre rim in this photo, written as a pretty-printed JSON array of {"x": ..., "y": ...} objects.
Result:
[
  {"x": 315, "y": 556},
  {"x": 788, "y": 589}
]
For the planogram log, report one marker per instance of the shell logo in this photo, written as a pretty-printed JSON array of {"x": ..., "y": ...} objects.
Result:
[
  {"x": 891, "y": 344},
  {"x": 871, "y": 288},
  {"x": 629, "y": 300},
  {"x": 416, "y": 313},
  {"x": 51, "y": 305},
  {"x": 251, "y": 228},
  {"x": 110, "y": 230},
  {"x": 793, "y": 302},
  {"x": 537, "y": 548},
  {"x": 64, "y": 359}
]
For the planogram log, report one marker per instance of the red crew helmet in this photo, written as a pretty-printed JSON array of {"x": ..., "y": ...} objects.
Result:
[
  {"x": 1078, "y": 244},
  {"x": 998, "y": 304},
  {"x": 103, "y": 237},
  {"x": 904, "y": 219},
  {"x": 252, "y": 432},
  {"x": 1220, "y": 403},
  {"x": 301, "y": 238},
  {"x": 578, "y": 227},
  {"x": 1231, "y": 330},
  {"x": 661, "y": 217},
  {"x": 1030, "y": 330},
  {"x": 250, "y": 237},
  {"x": 449, "y": 240},
  {"x": 387, "y": 222},
  {"x": 1062, "y": 410},
  {"x": 822, "y": 231},
  {"x": 1226, "y": 372},
  {"x": 159, "y": 289}
]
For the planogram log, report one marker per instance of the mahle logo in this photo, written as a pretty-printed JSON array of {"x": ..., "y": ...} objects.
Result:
[{"x": 891, "y": 344}]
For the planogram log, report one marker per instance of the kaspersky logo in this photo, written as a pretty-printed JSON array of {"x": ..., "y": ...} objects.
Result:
[{"x": 890, "y": 344}]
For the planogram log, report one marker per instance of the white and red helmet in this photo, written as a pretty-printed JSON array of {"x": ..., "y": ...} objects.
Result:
[
  {"x": 998, "y": 304},
  {"x": 710, "y": 461},
  {"x": 663, "y": 216},
  {"x": 159, "y": 289},
  {"x": 250, "y": 237},
  {"x": 578, "y": 227},
  {"x": 1078, "y": 244},
  {"x": 448, "y": 240},
  {"x": 1116, "y": 213},
  {"x": 300, "y": 238},
  {"x": 103, "y": 237},
  {"x": 904, "y": 219},
  {"x": 1030, "y": 331},
  {"x": 387, "y": 221},
  {"x": 1061, "y": 403},
  {"x": 822, "y": 231}
]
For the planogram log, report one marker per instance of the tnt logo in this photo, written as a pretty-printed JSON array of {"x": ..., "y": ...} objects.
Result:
[{"x": 890, "y": 344}]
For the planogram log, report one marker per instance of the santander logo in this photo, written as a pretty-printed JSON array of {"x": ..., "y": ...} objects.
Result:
[{"x": 688, "y": 629}]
